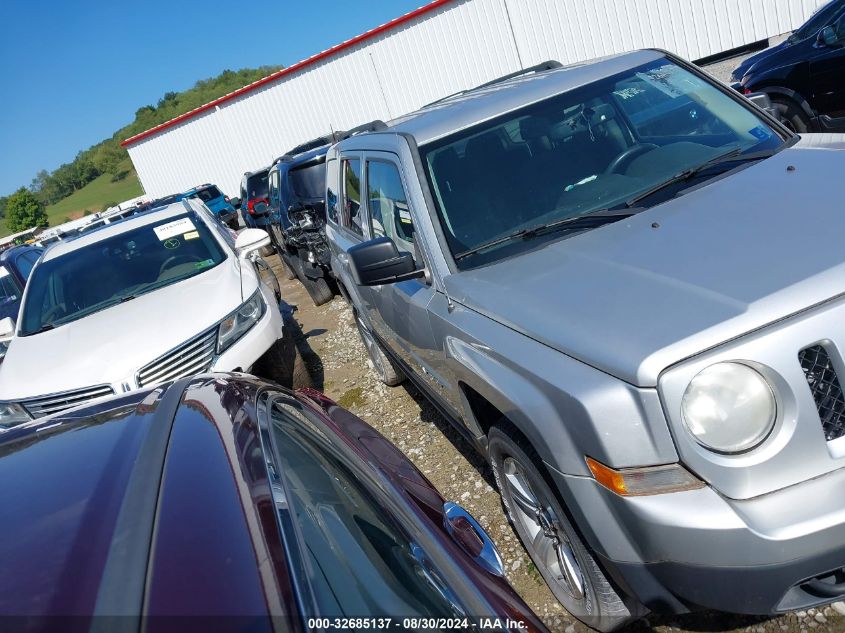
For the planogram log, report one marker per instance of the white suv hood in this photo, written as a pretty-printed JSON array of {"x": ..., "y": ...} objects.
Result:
[{"x": 109, "y": 346}]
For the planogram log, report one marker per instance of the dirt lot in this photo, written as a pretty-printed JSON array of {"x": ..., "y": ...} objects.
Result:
[{"x": 337, "y": 362}]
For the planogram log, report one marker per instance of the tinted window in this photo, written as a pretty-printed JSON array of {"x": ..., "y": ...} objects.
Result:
[
  {"x": 580, "y": 151},
  {"x": 116, "y": 269},
  {"x": 208, "y": 194},
  {"x": 308, "y": 182},
  {"x": 389, "y": 212},
  {"x": 9, "y": 290},
  {"x": 821, "y": 18},
  {"x": 361, "y": 559},
  {"x": 257, "y": 186},
  {"x": 352, "y": 196}
]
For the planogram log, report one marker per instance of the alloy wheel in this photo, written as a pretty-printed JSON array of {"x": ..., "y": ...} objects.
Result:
[{"x": 545, "y": 538}]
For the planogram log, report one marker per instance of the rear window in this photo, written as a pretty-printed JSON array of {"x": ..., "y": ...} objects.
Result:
[
  {"x": 256, "y": 186},
  {"x": 208, "y": 194},
  {"x": 308, "y": 182}
]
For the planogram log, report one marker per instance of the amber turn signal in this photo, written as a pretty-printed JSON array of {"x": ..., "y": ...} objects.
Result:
[{"x": 650, "y": 480}]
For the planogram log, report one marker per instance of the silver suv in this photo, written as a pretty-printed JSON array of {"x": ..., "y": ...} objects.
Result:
[{"x": 623, "y": 283}]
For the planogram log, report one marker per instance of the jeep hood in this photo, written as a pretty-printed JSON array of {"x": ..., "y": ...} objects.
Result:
[
  {"x": 634, "y": 297},
  {"x": 740, "y": 71},
  {"x": 109, "y": 346}
]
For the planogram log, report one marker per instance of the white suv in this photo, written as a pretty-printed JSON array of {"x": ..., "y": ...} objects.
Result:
[{"x": 158, "y": 296}]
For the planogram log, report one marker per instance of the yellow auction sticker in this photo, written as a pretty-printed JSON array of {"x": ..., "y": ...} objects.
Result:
[{"x": 191, "y": 236}]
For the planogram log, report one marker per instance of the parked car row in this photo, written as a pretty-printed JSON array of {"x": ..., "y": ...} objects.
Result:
[{"x": 566, "y": 262}]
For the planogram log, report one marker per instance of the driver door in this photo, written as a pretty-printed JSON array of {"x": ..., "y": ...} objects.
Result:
[{"x": 827, "y": 76}]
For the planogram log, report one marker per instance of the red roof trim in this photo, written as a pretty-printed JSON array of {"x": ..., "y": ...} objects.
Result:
[{"x": 290, "y": 69}]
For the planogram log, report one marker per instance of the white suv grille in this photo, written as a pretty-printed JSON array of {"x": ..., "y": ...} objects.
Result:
[
  {"x": 46, "y": 405},
  {"x": 193, "y": 357}
]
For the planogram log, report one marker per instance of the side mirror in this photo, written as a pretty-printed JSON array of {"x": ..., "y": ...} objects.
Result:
[
  {"x": 7, "y": 328},
  {"x": 260, "y": 208},
  {"x": 379, "y": 262},
  {"x": 235, "y": 202},
  {"x": 249, "y": 241},
  {"x": 762, "y": 101},
  {"x": 828, "y": 37}
]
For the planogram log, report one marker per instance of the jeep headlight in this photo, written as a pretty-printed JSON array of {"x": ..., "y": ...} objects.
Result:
[
  {"x": 12, "y": 414},
  {"x": 240, "y": 321},
  {"x": 729, "y": 408}
]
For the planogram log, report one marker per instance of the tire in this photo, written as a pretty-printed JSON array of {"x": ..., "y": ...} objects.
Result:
[
  {"x": 380, "y": 362},
  {"x": 287, "y": 268},
  {"x": 318, "y": 289},
  {"x": 792, "y": 115},
  {"x": 278, "y": 363},
  {"x": 548, "y": 535}
]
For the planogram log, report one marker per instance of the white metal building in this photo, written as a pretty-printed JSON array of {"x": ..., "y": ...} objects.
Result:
[{"x": 442, "y": 48}]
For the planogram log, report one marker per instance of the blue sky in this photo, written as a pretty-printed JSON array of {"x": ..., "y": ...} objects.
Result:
[{"x": 73, "y": 72}]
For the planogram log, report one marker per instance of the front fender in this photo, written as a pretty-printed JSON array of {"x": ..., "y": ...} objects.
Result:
[{"x": 565, "y": 408}]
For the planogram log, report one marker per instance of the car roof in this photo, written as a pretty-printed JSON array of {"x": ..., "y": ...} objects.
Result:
[
  {"x": 15, "y": 250},
  {"x": 291, "y": 160},
  {"x": 106, "y": 231},
  {"x": 475, "y": 106}
]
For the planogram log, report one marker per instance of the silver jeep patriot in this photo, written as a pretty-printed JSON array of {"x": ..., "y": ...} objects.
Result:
[{"x": 625, "y": 285}]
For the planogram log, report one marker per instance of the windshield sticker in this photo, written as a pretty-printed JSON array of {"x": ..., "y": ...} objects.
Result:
[
  {"x": 760, "y": 132},
  {"x": 171, "y": 243},
  {"x": 670, "y": 81},
  {"x": 191, "y": 236},
  {"x": 204, "y": 264},
  {"x": 172, "y": 229}
]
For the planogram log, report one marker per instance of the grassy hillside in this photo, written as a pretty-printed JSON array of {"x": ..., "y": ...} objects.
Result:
[{"x": 92, "y": 197}]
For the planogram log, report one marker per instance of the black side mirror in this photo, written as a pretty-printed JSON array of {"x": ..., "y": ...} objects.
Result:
[
  {"x": 235, "y": 202},
  {"x": 379, "y": 262},
  {"x": 260, "y": 208},
  {"x": 828, "y": 37}
]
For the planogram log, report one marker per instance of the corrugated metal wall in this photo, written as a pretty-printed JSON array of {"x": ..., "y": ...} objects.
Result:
[{"x": 456, "y": 46}]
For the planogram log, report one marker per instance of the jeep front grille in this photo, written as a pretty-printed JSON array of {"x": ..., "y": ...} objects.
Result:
[
  {"x": 193, "y": 357},
  {"x": 54, "y": 403},
  {"x": 826, "y": 390}
]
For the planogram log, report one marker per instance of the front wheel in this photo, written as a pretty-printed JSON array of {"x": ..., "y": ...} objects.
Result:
[
  {"x": 792, "y": 115},
  {"x": 384, "y": 367},
  {"x": 555, "y": 547}
]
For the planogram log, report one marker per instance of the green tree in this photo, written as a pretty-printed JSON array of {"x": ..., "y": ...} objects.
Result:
[
  {"x": 24, "y": 211},
  {"x": 108, "y": 157}
]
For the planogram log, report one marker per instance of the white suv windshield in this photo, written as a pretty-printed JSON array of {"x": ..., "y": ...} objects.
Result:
[
  {"x": 118, "y": 269},
  {"x": 585, "y": 150}
]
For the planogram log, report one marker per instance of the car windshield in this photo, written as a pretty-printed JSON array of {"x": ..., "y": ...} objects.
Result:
[
  {"x": 582, "y": 151},
  {"x": 118, "y": 269},
  {"x": 309, "y": 181},
  {"x": 820, "y": 18},
  {"x": 208, "y": 194},
  {"x": 256, "y": 186}
]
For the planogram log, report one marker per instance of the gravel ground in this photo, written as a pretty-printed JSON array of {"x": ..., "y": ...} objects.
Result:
[{"x": 338, "y": 364}]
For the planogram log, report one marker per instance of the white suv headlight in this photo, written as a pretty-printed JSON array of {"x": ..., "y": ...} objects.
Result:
[
  {"x": 240, "y": 321},
  {"x": 729, "y": 408},
  {"x": 12, "y": 414}
]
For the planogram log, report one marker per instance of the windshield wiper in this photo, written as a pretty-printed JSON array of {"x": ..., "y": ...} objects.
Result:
[
  {"x": 735, "y": 155},
  {"x": 593, "y": 219}
]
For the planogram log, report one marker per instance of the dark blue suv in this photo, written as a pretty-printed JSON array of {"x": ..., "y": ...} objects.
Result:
[
  {"x": 804, "y": 76},
  {"x": 217, "y": 202},
  {"x": 297, "y": 187}
]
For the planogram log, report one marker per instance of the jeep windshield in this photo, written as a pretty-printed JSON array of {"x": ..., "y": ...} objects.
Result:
[
  {"x": 208, "y": 194},
  {"x": 641, "y": 135},
  {"x": 308, "y": 182},
  {"x": 117, "y": 269}
]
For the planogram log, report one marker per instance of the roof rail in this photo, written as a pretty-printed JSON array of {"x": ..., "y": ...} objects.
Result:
[
  {"x": 373, "y": 126},
  {"x": 550, "y": 64}
]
